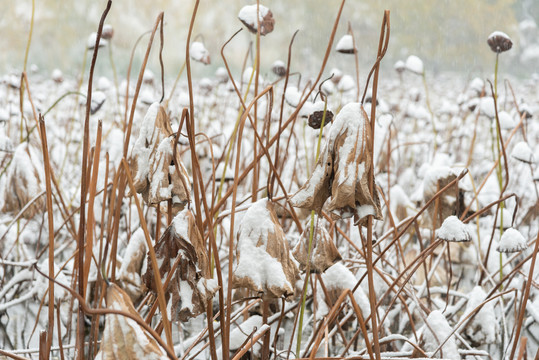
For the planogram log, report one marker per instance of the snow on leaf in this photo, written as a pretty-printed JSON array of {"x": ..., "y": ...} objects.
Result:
[
  {"x": 129, "y": 275},
  {"x": 342, "y": 171},
  {"x": 338, "y": 278},
  {"x": 123, "y": 338},
  {"x": 24, "y": 180},
  {"x": 523, "y": 152},
  {"x": 264, "y": 262},
  {"x": 483, "y": 327},
  {"x": 189, "y": 289},
  {"x": 435, "y": 332},
  {"x": 324, "y": 253}
]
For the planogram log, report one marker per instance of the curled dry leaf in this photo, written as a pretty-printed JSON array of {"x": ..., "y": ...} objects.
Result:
[
  {"x": 129, "y": 277},
  {"x": 342, "y": 171},
  {"x": 23, "y": 182},
  {"x": 158, "y": 174},
  {"x": 449, "y": 203},
  {"x": 323, "y": 252},
  {"x": 123, "y": 338},
  {"x": 154, "y": 128},
  {"x": 190, "y": 287},
  {"x": 247, "y": 16},
  {"x": 264, "y": 262},
  {"x": 166, "y": 183}
]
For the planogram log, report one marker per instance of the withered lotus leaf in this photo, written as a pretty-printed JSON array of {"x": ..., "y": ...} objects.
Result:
[
  {"x": 24, "y": 181},
  {"x": 190, "y": 287},
  {"x": 123, "y": 338},
  {"x": 264, "y": 262},
  {"x": 324, "y": 253},
  {"x": 342, "y": 171}
]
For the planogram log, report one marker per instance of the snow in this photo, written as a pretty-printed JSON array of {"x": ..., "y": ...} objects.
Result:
[
  {"x": 415, "y": 64},
  {"x": 345, "y": 44},
  {"x": 399, "y": 66},
  {"x": 198, "y": 52},
  {"x": 347, "y": 83},
  {"x": 486, "y": 107},
  {"x": 254, "y": 262},
  {"x": 483, "y": 327},
  {"x": 511, "y": 241},
  {"x": 90, "y": 43},
  {"x": 247, "y": 14},
  {"x": 57, "y": 75},
  {"x": 292, "y": 96},
  {"x": 436, "y": 332},
  {"x": 339, "y": 277},
  {"x": 498, "y": 34},
  {"x": 453, "y": 229},
  {"x": 506, "y": 120},
  {"x": 242, "y": 331},
  {"x": 523, "y": 152}
]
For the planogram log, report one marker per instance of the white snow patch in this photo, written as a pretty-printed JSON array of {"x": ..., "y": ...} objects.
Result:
[
  {"x": 453, "y": 229},
  {"x": 414, "y": 64}
]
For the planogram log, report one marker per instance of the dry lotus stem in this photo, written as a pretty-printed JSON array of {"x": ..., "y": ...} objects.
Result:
[
  {"x": 123, "y": 338},
  {"x": 323, "y": 251},
  {"x": 24, "y": 182},
  {"x": 154, "y": 165},
  {"x": 190, "y": 288},
  {"x": 264, "y": 262},
  {"x": 342, "y": 171}
]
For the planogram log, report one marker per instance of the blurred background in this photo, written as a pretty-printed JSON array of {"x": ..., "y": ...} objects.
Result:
[{"x": 448, "y": 35}]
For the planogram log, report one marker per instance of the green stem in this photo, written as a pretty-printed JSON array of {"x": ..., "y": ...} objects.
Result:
[
  {"x": 499, "y": 168},
  {"x": 307, "y": 270}
]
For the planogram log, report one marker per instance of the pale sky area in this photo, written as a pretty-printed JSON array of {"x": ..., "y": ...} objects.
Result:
[{"x": 447, "y": 35}]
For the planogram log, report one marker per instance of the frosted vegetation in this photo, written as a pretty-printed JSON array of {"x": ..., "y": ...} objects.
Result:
[{"x": 269, "y": 211}]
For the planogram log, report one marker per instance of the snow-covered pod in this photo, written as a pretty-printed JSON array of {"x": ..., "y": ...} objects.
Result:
[
  {"x": 414, "y": 64},
  {"x": 108, "y": 32},
  {"x": 345, "y": 45},
  {"x": 278, "y": 68},
  {"x": 247, "y": 16},
  {"x": 264, "y": 264},
  {"x": 191, "y": 286},
  {"x": 511, "y": 241},
  {"x": 499, "y": 42},
  {"x": 399, "y": 66},
  {"x": 92, "y": 38},
  {"x": 453, "y": 230},
  {"x": 198, "y": 52},
  {"x": 317, "y": 115},
  {"x": 324, "y": 253},
  {"x": 522, "y": 152},
  {"x": 342, "y": 171}
]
